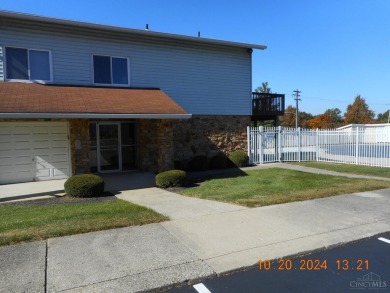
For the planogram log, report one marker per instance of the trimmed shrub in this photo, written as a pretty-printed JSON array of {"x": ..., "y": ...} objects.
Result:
[
  {"x": 172, "y": 178},
  {"x": 219, "y": 161},
  {"x": 239, "y": 159},
  {"x": 84, "y": 185},
  {"x": 199, "y": 163}
]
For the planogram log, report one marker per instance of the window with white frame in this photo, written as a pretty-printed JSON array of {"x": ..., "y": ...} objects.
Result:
[
  {"x": 110, "y": 70},
  {"x": 27, "y": 64}
]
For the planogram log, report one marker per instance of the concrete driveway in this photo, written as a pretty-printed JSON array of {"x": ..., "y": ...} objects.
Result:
[{"x": 31, "y": 190}]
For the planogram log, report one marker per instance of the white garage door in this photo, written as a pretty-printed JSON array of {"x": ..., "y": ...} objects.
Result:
[{"x": 32, "y": 151}]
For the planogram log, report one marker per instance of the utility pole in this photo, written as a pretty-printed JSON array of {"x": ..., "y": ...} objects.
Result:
[
  {"x": 388, "y": 115},
  {"x": 296, "y": 94}
]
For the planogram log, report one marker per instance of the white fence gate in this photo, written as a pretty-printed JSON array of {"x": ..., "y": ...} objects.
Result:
[{"x": 361, "y": 146}]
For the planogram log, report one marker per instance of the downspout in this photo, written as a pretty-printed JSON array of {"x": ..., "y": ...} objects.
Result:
[{"x": 250, "y": 51}]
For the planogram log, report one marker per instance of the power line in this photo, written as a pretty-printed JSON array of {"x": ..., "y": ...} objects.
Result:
[
  {"x": 340, "y": 101},
  {"x": 296, "y": 94},
  {"x": 331, "y": 100}
]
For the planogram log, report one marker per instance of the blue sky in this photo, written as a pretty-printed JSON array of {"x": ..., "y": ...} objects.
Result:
[{"x": 330, "y": 50}]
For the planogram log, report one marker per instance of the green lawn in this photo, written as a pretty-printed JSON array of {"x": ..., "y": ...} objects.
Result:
[
  {"x": 33, "y": 222},
  {"x": 274, "y": 186},
  {"x": 353, "y": 169}
]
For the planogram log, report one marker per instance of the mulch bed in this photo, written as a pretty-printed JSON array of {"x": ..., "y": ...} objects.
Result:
[{"x": 107, "y": 196}]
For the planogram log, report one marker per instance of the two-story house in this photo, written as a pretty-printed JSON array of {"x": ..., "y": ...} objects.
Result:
[{"x": 79, "y": 97}]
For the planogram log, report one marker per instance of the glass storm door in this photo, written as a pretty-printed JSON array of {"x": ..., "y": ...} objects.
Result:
[
  {"x": 109, "y": 147},
  {"x": 128, "y": 146},
  {"x": 113, "y": 146}
]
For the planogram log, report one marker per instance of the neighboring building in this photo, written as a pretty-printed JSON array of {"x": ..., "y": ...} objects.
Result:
[
  {"x": 369, "y": 133},
  {"x": 78, "y": 97},
  {"x": 353, "y": 127}
]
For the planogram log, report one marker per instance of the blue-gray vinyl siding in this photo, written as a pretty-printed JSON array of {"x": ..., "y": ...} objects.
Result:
[{"x": 202, "y": 79}]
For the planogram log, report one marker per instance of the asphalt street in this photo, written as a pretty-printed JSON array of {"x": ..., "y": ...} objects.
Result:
[{"x": 362, "y": 265}]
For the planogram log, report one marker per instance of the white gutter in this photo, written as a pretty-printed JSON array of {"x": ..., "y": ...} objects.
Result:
[{"x": 93, "y": 116}]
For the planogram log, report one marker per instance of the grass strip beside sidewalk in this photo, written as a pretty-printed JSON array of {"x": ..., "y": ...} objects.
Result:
[
  {"x": 19, "y": 223},
  {"x": 346, "y": 168},
  {"x": 274, "y": 186}
]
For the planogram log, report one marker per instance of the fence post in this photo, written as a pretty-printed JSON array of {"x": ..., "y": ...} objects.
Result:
[
  {"x": 357, "y": 146},
  {"x": 249, "y": 143},
  {"x": 280, "y": 143},
  {"x": 299, "y": 144},
  {"x": 261, "y": 128},
  {"x": 317, "y": 144}
]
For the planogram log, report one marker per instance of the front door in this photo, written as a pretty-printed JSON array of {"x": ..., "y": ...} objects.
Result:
[
  {"x": 109, "y": 147},
  {"x": 112, "y": 146}
]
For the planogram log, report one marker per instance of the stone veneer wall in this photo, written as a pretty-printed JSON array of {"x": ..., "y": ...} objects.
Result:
[
  {"x": 79, "y": 145},
  {"x": 147, "y": 145},
  {"x": 155, "y": 145},
  {"x": 208, "y": 134},
  {"x": 165, "y": 158},
  {"x": 79, "y": 141}
]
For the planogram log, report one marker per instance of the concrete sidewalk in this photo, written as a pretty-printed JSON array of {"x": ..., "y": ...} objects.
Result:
[
  {"x": 140, "y": 258},
  {"x": 238, "y": 239},
  {"x": 176, "y": 206}
]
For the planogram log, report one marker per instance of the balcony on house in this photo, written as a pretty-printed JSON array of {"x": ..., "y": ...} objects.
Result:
[{"x": 267, "y": 106}]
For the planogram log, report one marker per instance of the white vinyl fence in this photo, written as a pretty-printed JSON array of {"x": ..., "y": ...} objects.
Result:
[{"x": 360, "y": 146}]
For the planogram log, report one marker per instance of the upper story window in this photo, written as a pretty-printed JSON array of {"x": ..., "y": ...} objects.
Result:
[
  {"x": 111, "y": 70},
  {"x": 27, "y": 64}
]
